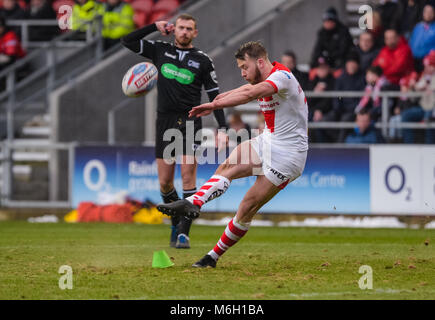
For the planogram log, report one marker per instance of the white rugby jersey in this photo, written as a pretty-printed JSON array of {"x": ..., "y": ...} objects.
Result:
[{"x": 286, "y": 111}]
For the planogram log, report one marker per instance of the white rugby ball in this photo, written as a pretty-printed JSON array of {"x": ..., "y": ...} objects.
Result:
[{"x": 139, "y": 79}]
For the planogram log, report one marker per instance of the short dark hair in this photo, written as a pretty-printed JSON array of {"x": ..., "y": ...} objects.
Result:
[
  {"x": 254, "y": 49},
  {"x": 365, "y": 112},
  {"x": 186, "y": 16},
  {"x": 290, "y": 53},
  {"x": 376, "y": 70}
]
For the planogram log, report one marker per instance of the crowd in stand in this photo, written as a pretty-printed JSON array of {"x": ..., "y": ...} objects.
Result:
[
  {"x": 119, "y": 18},
  {"x": 397, "y": 54}
]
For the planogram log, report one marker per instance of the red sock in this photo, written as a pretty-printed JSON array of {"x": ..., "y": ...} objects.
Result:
[
  {"x": 213, "y": 188},
  {"x": 233, "y": 233}
]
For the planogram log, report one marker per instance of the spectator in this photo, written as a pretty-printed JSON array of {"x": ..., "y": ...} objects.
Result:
[
  {"x": 333, "y": 40},
  {"x": 395, "y": 58},
  {"x": 423, "y": 37},
  {"x": 365, "y": 131},
  {"x": 10, "y": 46},
  {"x": 390, "y": 13},
  {"x": 236, "y": 123},
  {"x": 41, "y": 9},
  {"x": 84, "y": 11},
  {"x": 424, "y": 111},
  {"x": 289, "y": 60},
  {"x": 366, "y": 50},
  {"x": 12, "y": 11},
  {"x": 117, "y": 21},
  {"x": 404, "y": 102},
  {"x": 378, "y": 29},
  {"x": 321, "y": 107},
  {"x": 410, "y": 13},
  {"x": 371, "y": 101},
  {"x": 352, "y": 79}
]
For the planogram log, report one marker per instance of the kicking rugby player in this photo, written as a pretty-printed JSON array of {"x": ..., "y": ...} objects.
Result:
[{"x": 276, "y": 157}]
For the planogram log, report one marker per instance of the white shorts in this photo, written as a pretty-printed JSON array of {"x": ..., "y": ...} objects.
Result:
[{"x": 280, "y": 165}]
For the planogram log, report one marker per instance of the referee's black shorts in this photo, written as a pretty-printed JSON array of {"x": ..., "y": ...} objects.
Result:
[{"x": 183, "y": 135}]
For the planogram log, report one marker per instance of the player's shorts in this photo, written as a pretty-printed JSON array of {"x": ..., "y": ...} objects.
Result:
[
  {"x": 180, "y": 141},
  {"x": 280, "y": 165}
]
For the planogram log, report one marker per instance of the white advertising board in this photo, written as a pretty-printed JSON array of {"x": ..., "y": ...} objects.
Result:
[{"x": 402, "y": 179}]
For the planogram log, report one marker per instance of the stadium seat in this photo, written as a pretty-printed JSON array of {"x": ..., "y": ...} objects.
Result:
[
  {"x": 23, "y": 4},
  {"x": 140, "y": 19},
  {"x": 145, "y": 6},
  {"x": 166, "y": 5},
  {"x": 157, "y": 15},
  {"x": 58, "y": 3}
]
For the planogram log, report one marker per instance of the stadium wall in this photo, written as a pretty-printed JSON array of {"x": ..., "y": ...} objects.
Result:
[{"x": 366, "y": 180}]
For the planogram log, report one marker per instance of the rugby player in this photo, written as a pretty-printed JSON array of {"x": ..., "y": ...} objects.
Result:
[
  {"x": 276, "y": 157},
  {"x": 183, "y": 71}
]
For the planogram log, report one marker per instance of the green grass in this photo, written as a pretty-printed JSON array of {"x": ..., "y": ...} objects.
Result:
[{"x": 112, "y": 261}]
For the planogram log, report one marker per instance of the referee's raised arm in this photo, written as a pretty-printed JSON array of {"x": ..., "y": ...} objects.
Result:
[{"x": 132, "y": 41}]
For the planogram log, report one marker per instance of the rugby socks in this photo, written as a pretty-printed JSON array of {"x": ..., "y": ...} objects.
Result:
[
  {"x": 185, "y": 223},
  {"x": 234, "y": 231},
  {"x": 169, "y": 197},
  {"x": 213, "y": 188}
]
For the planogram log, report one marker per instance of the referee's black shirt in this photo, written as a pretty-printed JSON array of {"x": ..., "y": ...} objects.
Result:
[{"x": 182, "y": 73}]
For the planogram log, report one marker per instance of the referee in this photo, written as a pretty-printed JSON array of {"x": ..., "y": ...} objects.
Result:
[{"x": 183, "y": 70}]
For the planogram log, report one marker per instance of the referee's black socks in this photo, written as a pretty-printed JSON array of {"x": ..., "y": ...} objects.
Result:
[
  {"x": 169, "y": 197},
  {"x": 185, "y": 223}
]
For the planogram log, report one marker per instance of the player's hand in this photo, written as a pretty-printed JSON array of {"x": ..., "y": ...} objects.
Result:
[
  {"x": 165, "y": 27},
  {"x": 221, "y": 140},
  {"x": 202, "y": 110}
]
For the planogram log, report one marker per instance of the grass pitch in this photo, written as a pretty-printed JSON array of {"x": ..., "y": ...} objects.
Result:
[{"x": 112, "y": 261}]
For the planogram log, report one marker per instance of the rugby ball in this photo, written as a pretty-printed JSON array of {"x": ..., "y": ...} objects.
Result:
[{"x": 139, "y": 79}]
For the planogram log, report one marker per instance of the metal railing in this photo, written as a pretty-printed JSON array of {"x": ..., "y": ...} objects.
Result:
[
  {"x": 28, "y": 43},
  {"x": 384, "y": 124},
  {"x": 7, "y": 161},
  {"x": 47, "y": 74}
]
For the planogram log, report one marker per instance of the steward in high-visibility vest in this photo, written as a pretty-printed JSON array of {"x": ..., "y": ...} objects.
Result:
[
  {"x": 85, "y": 11},
  {"x": 117, "y": 19}
]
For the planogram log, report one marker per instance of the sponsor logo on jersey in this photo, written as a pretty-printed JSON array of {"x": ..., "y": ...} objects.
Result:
[
  {"x": 173, "y": 56},
  {"x": 268, "y": 106},
  {"x": 181, "y": 54},
  {"x": 192, "y": 63},
  {"x": 181, "y": 75},
  {"x": 278, "y": 174},
  {"x": 213, "y": 75}
]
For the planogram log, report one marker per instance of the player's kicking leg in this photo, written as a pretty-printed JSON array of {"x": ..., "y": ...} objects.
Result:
[
  {"x": 241, "y": 163},
  {"x": 260, "y": 193}
]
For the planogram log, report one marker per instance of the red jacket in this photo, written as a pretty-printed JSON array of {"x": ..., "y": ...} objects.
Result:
[
  {"x": 396, "y": 63},
  {"x": 10, "y": 45}
]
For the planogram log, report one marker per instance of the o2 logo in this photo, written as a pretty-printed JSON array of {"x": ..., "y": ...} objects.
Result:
[
  {"x": 87, "y": 175},
  {"x": 395, "y": 188},
  {"x": 65, "y": 21}
]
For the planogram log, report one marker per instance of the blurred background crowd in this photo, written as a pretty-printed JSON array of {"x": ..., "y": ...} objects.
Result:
[{"x": 397, "y": 54}]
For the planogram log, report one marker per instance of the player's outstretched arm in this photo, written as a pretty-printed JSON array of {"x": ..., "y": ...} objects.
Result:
[{"x": 241, "y": 95}]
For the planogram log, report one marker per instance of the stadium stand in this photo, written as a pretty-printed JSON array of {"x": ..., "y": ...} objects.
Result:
[{"x": 49, "y": 118}]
